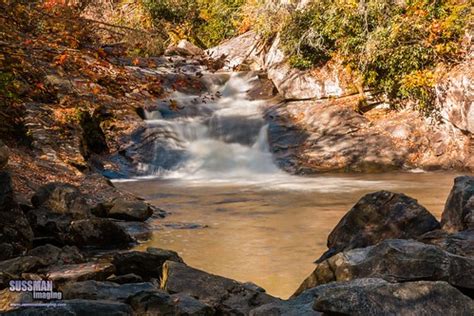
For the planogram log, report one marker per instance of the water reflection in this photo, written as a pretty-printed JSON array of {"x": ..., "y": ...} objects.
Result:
[{"x": 269, "y": 235}]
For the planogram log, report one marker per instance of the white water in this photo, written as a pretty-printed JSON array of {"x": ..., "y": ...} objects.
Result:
[{"x": 225, "y": 138}]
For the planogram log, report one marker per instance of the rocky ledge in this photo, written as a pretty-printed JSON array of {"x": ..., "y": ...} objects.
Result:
[{"x": 387, "y": 255}]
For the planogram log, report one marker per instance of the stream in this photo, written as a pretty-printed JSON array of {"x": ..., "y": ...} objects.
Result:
[{"x": 233, "y": 211}]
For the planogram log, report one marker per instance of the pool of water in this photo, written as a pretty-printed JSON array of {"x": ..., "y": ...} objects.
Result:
[{"x": 267, "y": 230}]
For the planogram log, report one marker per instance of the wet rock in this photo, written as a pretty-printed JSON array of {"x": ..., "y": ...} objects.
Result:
[
  {"x": 130, "y": 210},
  {"x": 20, "y": 265},
  {"x": 378, "y": 297},
  {"x": 160, "y": 303},
  {"x": 4, "y": 155},
  {"x": 16, "y": 235},
  {"x": 61, "y": 198},
  {"x": 145, "y": 264},
  {"x": 50, "y": 254},
  {"x": 97, "y": 232},
  {"x": 376, "y": 217},
  {"x": 97, "y": 290},
  {"x": 80, "y": 272},
  {"x": 126, "y": 278},
  {"x": 225, "y": 295},
  {"x": 395, "y": 261},
  {"x": 458, "y": 212},
  {"x": 461, "y": 243},
  {"x": 139, "y": 231}
]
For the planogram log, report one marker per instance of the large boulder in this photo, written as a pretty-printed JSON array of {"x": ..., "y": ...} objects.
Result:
[
  {"x": 130, "y": 210},
  {"x": 61, "y": 198},
  {"x": 161, "y": 303},
  {"x": 378, "y": 216},
  {"x": 98, "y": 290},
  {"x": 97, "y": 232},
  {"x": 458, "y": 212},
  {"x": 461, "y": 243},
  {"x": 455, "y": 96},
  {"x": 16, "y": 235},
  {"x": 184, "y": 48},
  {"x": 4, "y": 155},
  {"x": 145, "y": 264},
  {"x": 377, "y": 297},
  {"x": 395, "y": 261},
  {"x": 225, "y": 295}
]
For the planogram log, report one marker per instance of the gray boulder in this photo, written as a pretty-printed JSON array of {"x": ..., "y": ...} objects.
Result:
[
  {"x": 97, "y": 290},
  {"x": 145, "y": 264},
  {"x": 458, "y": 212},
  {"x": 226, "y": 296},
  {"x": 378, "y": 297},
  {"x": 161, "y": 303},
  {"x": 376, "y": 217},
  {"x": 395, "y": 261},
  {"x": 61, "y": 198}
]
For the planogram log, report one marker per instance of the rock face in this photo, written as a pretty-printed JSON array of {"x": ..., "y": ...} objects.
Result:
[
  {"x": 4, "y": 155},
  {"x": 376, "y": 217},
  {"x": 160, "y": 303},
  {"x": 225, "y": 295},
  {"x": 96, "y": 290},
  {"x": 61, "y": 198},
  {"x": 378, "y": 297},
  {"x": 455, "y": 96},
  {"x": 16, "y": 235},
  {"x": 458, "y": 213},
  {"x": 395, "y": 261},
  {"x": 145, "y": 264},
  {"x": 98, "y": 232}
]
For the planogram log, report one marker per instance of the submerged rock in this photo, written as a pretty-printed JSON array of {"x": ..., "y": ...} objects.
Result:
[
  {"x": 395, "y": 261},
  {"x": 376, "y": 217},
  {"x": 145, "y": 264},
  {"x": 225, "y": 295},
  {"x": 458, "y": 212},
  {"x": 161, "y": 303},
  {"x": 378, "y": 297}
]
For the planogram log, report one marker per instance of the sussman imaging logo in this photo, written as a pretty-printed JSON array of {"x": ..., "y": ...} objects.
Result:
[{"x": 40, "y": 290}]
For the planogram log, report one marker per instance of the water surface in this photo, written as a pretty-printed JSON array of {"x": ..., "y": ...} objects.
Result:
[{"x": 269, "y": 228}]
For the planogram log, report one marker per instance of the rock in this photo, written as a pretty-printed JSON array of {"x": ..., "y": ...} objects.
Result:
[
  {"x": 62, "y": 85},
  {"x": 130, "y": 210},
  {"x": 97, "y": 232},
  {"x": 225, "y": 295},
  {"x": 77, "y": 308},
  {"x": 302, "y": 305},
  {"x": 7, "y": 298},
  {"x": 4, "y": 155},
  {"x": 378, "y": 216},
  {"x": 395, "y": 261},
  {"x": 97, "y": 290},
  {"x": 16, "y": 235},
  {"x": 50, "y": 254},
  {"x": 461, "y": 244},
  {"x": 160, "y": 303},
  {"x": 184, "y": 48},
  {"x": 145, "y": 264},
  {"x": 455, "y": 95},
  {"x": 458, "y": 212},
  {"x": 61, "y": 198},
  {"x": 80, "y": 272},
  {"x": 49, "y": 225},
  {"x": 139, "y": 231},
  {"x": 126, "y": 278},
  {"x": 377, "y": 297},
  {"x": 20, "y": 265}
]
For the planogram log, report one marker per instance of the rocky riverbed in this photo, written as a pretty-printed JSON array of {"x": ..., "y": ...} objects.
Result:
[{"x": 387, "y": 255}]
